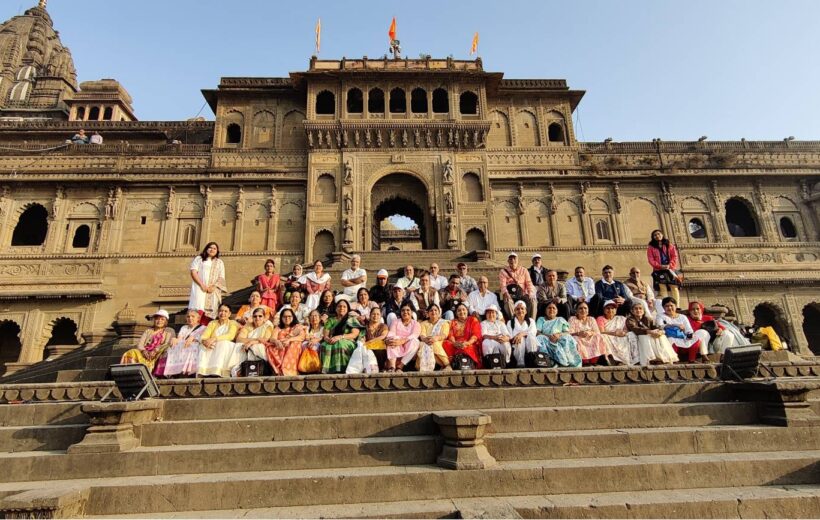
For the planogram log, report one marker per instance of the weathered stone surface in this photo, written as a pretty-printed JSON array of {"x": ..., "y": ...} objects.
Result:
[
  {"x": 115, "y": 426},
  {"x": 463, "y": 434}
]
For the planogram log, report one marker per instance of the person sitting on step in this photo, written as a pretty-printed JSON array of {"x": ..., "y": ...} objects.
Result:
[
  {"x": 380, "y": 292},
  {"x": 402, "y": 340},
  {"x": 409, "y": 282},
  {"x": 300, "y": 310},
  {"x": 218, "y": 353},
  {"x": 391, "y": 310},
  {"x": 182, "y": 357},
  {"x": 243, "y": 315},
  {"x": 452, "y": 296},
  {"x": 150, "y": 350},
  {"x": 480, "y": 300},
  {"x": 522, "y": 334},
  {"x": 425, "y": 296},
  {"x": 465, "y": 335},
  {"x": 516, "y": 284},
  {"x": 495, "y": 337},
  {"x": 610, "y": 289},
  {"x": 679, "y": 332},
  {"x": 584, "y": 329}
]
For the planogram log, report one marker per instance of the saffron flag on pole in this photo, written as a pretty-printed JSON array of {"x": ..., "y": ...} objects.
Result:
[
  {"x": 318, "y": 35},
  {"x": 474, "y": 48},
  {"x": 392, "y": 31}
]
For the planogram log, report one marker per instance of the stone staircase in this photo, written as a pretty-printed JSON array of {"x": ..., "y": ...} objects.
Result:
[{"x": 675, "y": 449}]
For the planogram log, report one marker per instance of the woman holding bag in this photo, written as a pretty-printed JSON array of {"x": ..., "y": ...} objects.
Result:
[
  {"x": 309, "y": 361},
  {"x": 663, "y": 257}
]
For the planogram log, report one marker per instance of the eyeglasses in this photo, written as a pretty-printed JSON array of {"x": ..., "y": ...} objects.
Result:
[{"x": 258, "y": 315}]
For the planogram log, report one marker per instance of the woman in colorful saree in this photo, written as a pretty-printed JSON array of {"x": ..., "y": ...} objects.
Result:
[
  {"x": 464, "y": 336},
  {"x": 651, "y": 343},
  {"x": 588, "y": 338},
  {"x": 243, "y": 315},
  {"x": 269, "y": 284},
  {"x": 152, "y": 345},
  {"x": 315, "y": 284},
  {"x": 254, "y": 337},
  {"x": 375, "y": 333},
  {"x": 403, "y": 340},
  {"x": 554, "y": 339},
  {"x": 208, "y": 275},
  {"x": 341, "y": 333},
  {"x": 285, "y": 345},
  {"x": 183, "y": 355},
  {"x": 434, "y": 331},
  {"x": 613, "y": 330},
  {"x": 218, "y": 353}
]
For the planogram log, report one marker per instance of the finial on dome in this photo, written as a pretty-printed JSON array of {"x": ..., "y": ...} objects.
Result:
[{"x": 42, "y": 4}]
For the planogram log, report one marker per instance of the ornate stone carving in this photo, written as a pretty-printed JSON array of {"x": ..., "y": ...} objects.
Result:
[
  {"x": 584, "y": 203},
  {"x": 348, "y": 175},
  {"x": 240, "y": 203},
  {"x": 273, "y": 202},
  {"x": 667, "y": 197},
  {"x": 348, "y": 203},
  {"x": 448, "y": 202},
  {"x": 616, "y": 197},
  {"x": 552, "y": 203},
  {"x": 207, "y": 200},
  {"x": 520, "y": 202},
  {"x": 59, "y": 198},
  {"x": 169, "y": 204},
  {"x": 447, "y": 172},
  {"x": 451, "y": 232}
]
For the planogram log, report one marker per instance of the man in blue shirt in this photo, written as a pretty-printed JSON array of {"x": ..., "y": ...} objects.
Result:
[{"x": 608, "y": 288}]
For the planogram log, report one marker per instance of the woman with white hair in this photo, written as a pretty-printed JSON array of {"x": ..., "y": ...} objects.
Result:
[
  {"x": 152, "y": 345},
  {"x": 183, "y": 355},
  {"x": 495, "y": 335},
  {"x": 522, "y": 333}
]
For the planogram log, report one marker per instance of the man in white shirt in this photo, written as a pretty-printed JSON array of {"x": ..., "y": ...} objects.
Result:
[
  {"x": 482, "y": 298},
  {"x": 409, "y": 282},
  {"x": 96, "y": 138},
  {"x": 580, "y": 288},
  {"x": 437, "y": 281},
  {"x": 353, "y": 279}
]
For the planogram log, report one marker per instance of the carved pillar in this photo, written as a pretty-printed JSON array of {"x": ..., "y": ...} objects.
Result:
[
  {"x": 719, "y": 215},
  {"x": 56, "y": 226},
  {"x": 808, "y": 211},
  {"x": 5, "y": 216},
  {"x": 239, "y": 228},
  {"x": 585, "y": 228},
  {"x": 205, "y": 224},
  {"x": 270, "y": 231},
  {"x": 618, "y": 218},
  {"x": 31, "y": 337},
  {"x": 167, "y": 226},
  {"x": 767, "y": 225},
  {"x": 794, "y": 317}
]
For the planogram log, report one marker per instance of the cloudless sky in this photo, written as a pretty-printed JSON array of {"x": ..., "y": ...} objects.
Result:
[{"x": 651, "y": 68}]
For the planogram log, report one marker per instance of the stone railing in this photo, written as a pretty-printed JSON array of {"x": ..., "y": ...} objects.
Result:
[{"x": 105, "y": 149}]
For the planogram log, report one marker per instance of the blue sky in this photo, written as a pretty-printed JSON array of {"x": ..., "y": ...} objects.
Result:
[{"x": 675, "y": 70}]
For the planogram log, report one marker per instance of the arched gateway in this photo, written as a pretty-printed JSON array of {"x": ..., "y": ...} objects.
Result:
[{"x": 401, "y": 194}]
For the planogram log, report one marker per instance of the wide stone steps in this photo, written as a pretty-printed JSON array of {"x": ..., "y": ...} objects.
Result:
[
  {"x": 568, "y": 418},
  {"x": 399, "y": 451},
  {"x": 203, "y": 492},
  {"x": 800, "y": 501}
]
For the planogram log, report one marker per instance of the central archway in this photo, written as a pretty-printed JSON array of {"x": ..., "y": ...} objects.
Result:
[{"x": 401, "y": 195}]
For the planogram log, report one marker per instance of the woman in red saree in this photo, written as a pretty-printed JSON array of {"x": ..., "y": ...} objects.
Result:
[
  {"x": 269, "y": 285},
  {"x": 464, "y": 336},
  {"x": 285, "y": 345}
]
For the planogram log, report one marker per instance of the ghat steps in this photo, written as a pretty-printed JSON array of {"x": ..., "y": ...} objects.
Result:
[{"x": 638, "y": 450}]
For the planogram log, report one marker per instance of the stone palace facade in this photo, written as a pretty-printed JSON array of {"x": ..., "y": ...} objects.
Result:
[{"x": 296, "y": 168}]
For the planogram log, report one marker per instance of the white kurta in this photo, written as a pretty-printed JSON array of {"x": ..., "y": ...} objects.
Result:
[
  {"x": 617, "y": 346},
  {"x": 529, "y": 344},
  {"x": 203, "y": 269},
  {"x": 491, "y": 346},
  {"x": 663, "y": 320}
]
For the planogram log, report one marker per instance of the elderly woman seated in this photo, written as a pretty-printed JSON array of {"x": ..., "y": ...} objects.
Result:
[
  {"x": 285, "y": 345},
  {"x": 402, "y": 340},
  {"x": 341, "y": 334},
  {"x": 363, "y": 305},
  {"x": 218, "y": 353},
  {"x": 710, "y": 331},
  {"x": 433, "y": 333},
  {"x": 613, "y": 330},
  {"x": 299, "y": 309},
  {"x": 243, "y": 315},
  {"x": 648, "y": 338},
  {"x": 679, "y": 331},
  {"x": 254, "y": 337},
  {"x": 152, "y": 345},
  {"x": 584, "y": 329},
  {"x": 522, "y": 333},
  {"x": 554, "y": 339},
  {"x": 182, "y": 358},
  {"x": 495, "y": 337}
]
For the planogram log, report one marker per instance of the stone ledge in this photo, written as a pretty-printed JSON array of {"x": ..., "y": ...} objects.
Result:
[
  {"x": 342, "y": 383},
  {"x": 59, "y": 502}
]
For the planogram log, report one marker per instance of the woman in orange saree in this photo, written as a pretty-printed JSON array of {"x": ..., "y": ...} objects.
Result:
[
  {"x": 464, "y": 336},
  {"x": 285, "y": 345}
]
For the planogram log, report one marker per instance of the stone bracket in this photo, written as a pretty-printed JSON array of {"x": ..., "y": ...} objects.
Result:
[
  {"x": 59, "y": 502},
  {"x": 116, "y": 427},
  {"x": 463, "y": 434},
  {"x": 782, "y": 403}
]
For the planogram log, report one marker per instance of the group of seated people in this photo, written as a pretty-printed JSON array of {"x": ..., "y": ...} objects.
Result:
[{"x": 425, "y": 321}]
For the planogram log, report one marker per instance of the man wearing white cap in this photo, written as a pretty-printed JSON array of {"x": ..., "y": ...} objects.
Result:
[
  {"x": 495, "y": 335},
  {"x": 380, "y": 292},
  {"x": 538, "y": 273},
  {"x": 516, "y": 285},
  {"x": 353, "y": 279}
]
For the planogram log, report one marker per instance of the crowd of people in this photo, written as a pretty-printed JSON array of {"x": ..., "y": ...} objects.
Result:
[{"x": 298, "y": 324}]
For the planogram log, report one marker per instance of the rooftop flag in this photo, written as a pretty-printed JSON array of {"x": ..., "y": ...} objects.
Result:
[
  {"x": 318, "y": 35},
  {"x": 392, "y": 31},
  {"x": 474, "y": 48}
]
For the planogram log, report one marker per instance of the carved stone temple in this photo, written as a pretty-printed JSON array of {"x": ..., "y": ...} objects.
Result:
[{"x": 310, "y": 165}]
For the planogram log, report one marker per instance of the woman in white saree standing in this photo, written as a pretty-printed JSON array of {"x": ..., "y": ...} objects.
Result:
[
  {"x": 315, "y": 284},
  {"x": 208, "y": 275}
]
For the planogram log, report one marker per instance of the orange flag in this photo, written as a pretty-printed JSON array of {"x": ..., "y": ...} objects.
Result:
[
  {"x": 474, "y": 48},
  {"x": 318, "y": 35},
  {"x": 392, "y": 31}
]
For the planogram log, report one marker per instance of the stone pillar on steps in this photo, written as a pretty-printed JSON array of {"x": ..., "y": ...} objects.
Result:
[
  {"x": 463, "y": 434},
  {"x": 112, "y": 425},
  {"x": 125, "y": 325}
]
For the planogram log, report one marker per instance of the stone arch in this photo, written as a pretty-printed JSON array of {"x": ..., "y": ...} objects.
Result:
[
  {"x": 694, "y": 204},
  {"x": 499, "y": 130},
  {"x": 10, "y": 344},
  {"x": 811, "y": 326},
  {"x": 325, "y": 189},
  {"x": 740, "y": 218},
  {"x": 222, "y": 226},
  {"x": 556, "y": 127},
  {"x": 398, "y": 101},
  {"x": 643, "y": 218},
  {"x": 63, "y": 331},
  {"x": 537, "y": 216},
  {"x": 418, "y": 101},
  {"x": 471, "y": 190},
  {"x": 82, "y": 237},
  {"x": 771, "y": 314},
  {"x": 355, "y": 101},
  {"x": 441, "y": 101},
  {"x": 475, "y": 240},
  {"x": 290, "y": 227},
  {"x": 505, "y": 220},
  {"x": 375, "y": 101},
  {"x": 405, "y": 192},
  {"x": 324, "y": 243},
  {"x": 526, "y": 129},
  {"x": 264, "y": 123},
  {"x": 325, "y": 103},
  {"x": 293, "y": 130},
  {"x": 784, "y": 203},
  {"x": 568, "y": 226},
  {"x": 468, "y": 103},
  {"x": 234, "y": 122},
  {"x": 84, "y": 210},
  {"x": 32, "y": 226},
  {"x": 191, "y": 208},
  {"x": 599, "y": 205}
]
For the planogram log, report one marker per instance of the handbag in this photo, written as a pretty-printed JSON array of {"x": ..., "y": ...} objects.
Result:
[
  {"x": 538, "y": 360},
  {"x": 309, "y": 362},
  {"x": 254, "y": 369},
  {"x": 462, "y": 362},
  {"x": 674, "y": 332},
  {"x": 515, "y": 292},
  {"x": 667, "y": 277},
  {"x": 494, "y": 361}
]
